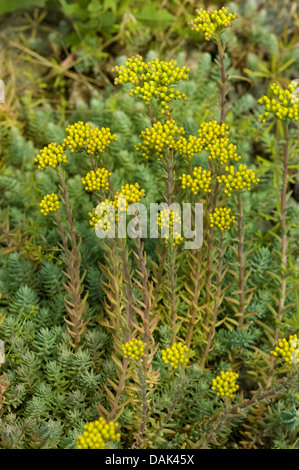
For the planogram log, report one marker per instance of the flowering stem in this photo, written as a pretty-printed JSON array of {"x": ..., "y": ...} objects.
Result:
[
  {"x": 92, "y": 163},
  {"x": 120, "y": 389},
  {"x": 216, "y": 304},
  {"x": 125, "y": 263},
  {"x": 223, "y": 88},
  {"x": 172, "y": 279},
  {"x": 170, "y": 176},
  {"x": 69, "y": 216},
  {"x": 2, "y": 391},
  {"x": 284, "y": 240},
  {"x": 150, "y": 113},
  {"x": 129, "y": 294},
  {"x": 76, "y": 306},
  {"x": 214, "y": 196},
  {"x": 212, "y": 202},
  {"x": 159, "y": 274},
  {"x": 146, "y": 295},
  {"x": 194, "y": 300},
  {"x": 171, "y": 251},
  {"x": 241, "y": 261}
]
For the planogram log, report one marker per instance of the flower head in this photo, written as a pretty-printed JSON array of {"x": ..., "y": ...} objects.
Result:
[
  {"x": 134, "y": 349},
  {"x": 108, "y": 211},
  {"x": 128, "y": 194},
  {"x": 214, "y": 139},
  {"x": 239, "y": 179},
  {"x": 209, "y": 131},
  {"x": 199, "y": 181},
  {"x": 222, "y": 219},
  {"x": 83, "y": 137},
  {"x": 153, "y": 80},
  {"x": 225, "y": 384},
  {"x": 175, "y": 355},
  {"x": 49, "y": 203},
  {"x": 222, "y": 150},
  {"x": 170, "y": 223},
  {"x": 212, "y": 22},
  {"x": 283, "y": 106},
  {"x": 97, "y": 434},
  {"x": 288, "y": 349},
  {"x": 103, "y": 216},
  {"x": 189, "y": 146},
  {"x": 51, "y": 155},
  {"x": 96, "y": 180}
]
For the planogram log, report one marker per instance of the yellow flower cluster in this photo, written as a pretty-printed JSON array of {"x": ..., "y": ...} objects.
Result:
[
  {"x": 134, "y": 349},
  {"x": 128, "y": 194},
  {"x": 222, "y": 219},
  {"x": 288, "y": 349},
  {"x": 283, "y": 106},
  {"x": 83, "y": 137},
  {"x": 154, "y": 79},
  {"x": 239, "y": 179},
  {"x": 225, "y": 384},
  {"x": 222, "y": 150},
  {"x": 49, "y": 203},
  {"x": 97, "y": 434},
  {"x": 175, "y": 355},
  {"x": 199, "y": 181},
  {"x": 157, "y": 138},
  {"x": 51, "y": 155},
  {"x": 167, "y": 221},
  {"x": 214, "y": 139},
  {"x": 210, "y": 130},
  {"x": 212, "y": 22},
  {"x": 96, "y": 180},
  {"x": 189, "y": 146}
]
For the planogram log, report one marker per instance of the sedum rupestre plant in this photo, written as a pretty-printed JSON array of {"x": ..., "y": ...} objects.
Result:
[{"x": 166, "y": 341}]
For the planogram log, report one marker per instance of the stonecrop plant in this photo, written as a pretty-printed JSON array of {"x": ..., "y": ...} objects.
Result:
[{"x": 164, "y": 339}]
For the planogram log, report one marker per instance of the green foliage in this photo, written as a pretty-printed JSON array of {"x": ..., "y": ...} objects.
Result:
[{"x": 50, "y": 391}]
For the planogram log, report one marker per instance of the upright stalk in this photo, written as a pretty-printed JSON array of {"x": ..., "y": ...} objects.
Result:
[
  {"x": 216, "y": 304},
  {"x": 146, "y": 295},
  {"x": 195, "y": 299},
  {"x": 284, "y": 240},
  {"x": 76, "y": 306},
  {"x": 241, "y": 261},
  {"x": 223, "y": 82},
  {"x": 214, "y": 195},
  {"x": 171, "y": 249},
  {"x": 146, "y": 338},
  {"x": 172, "y": 279},
  {"x": 129, "y": 294}
]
